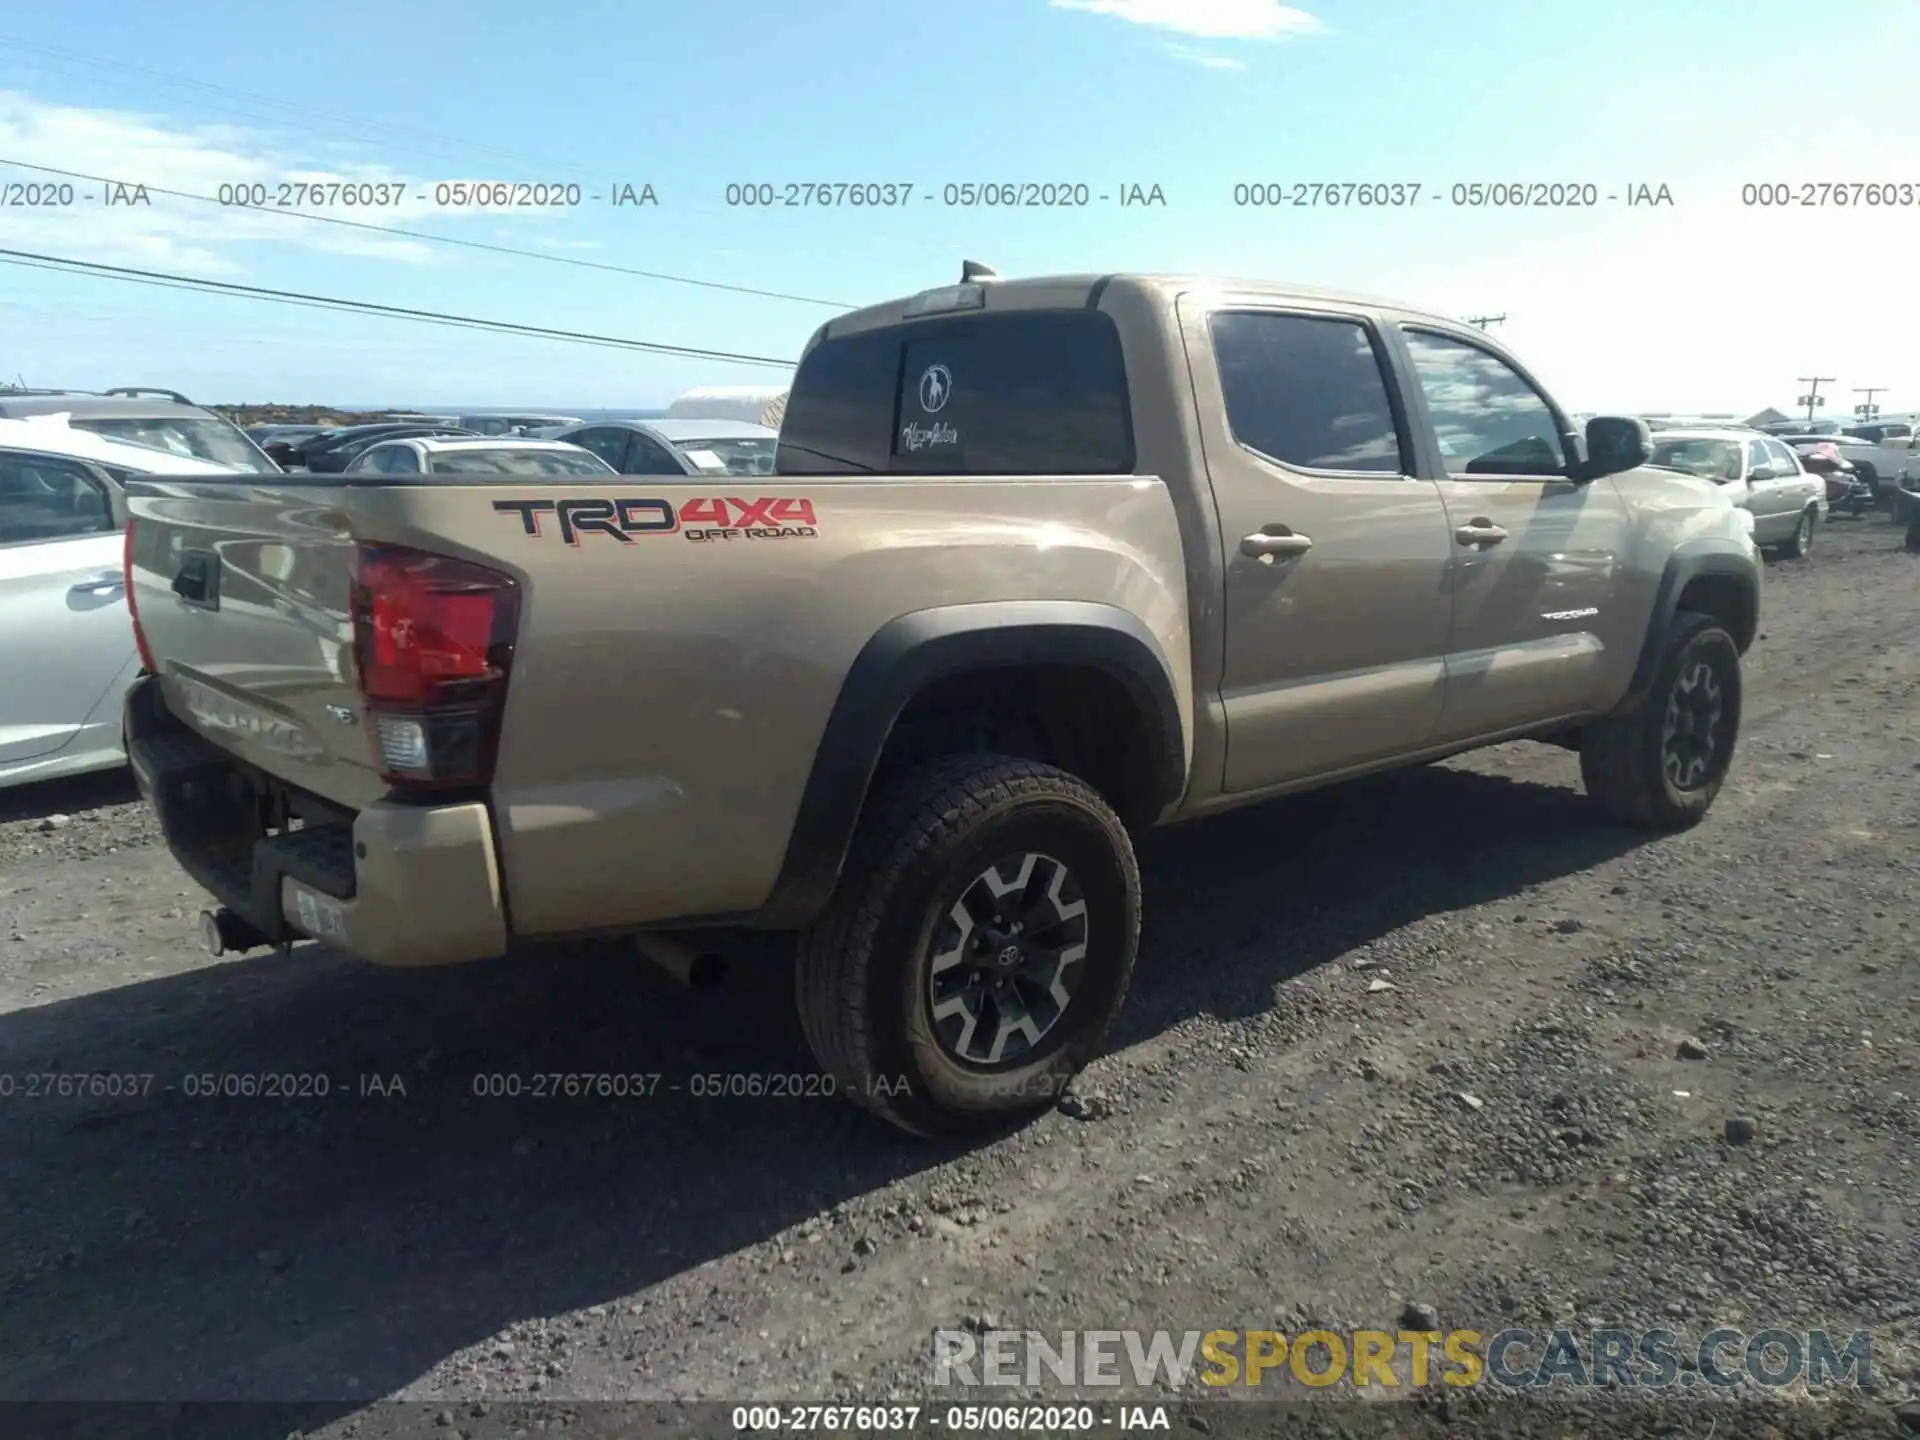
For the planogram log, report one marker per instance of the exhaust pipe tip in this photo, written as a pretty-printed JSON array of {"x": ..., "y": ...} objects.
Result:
[
  {"x": 696, "y": 969},
  {"x": 225, "y": 933}
]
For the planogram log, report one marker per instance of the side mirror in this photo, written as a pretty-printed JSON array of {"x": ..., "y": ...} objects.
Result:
[
  {"x": 1761, "y": 472},
  {"x": 1614, "y": 443}
]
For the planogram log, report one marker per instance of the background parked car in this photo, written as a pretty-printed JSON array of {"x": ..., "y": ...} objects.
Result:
[
  {"x": 1847, "y": 493},
  {"x": 514, "y": 424},
  {"x": 67, "y": 651},
  {"x": 1786, "y": 502},
  {"x": 679, "y": 447},
  {"x": 161, "y": 420},
  {"x": 1803, "y": 427},
  {"x": 1877, "y": 463},
  {"x": 332, "y": 452},
  {"x": 267, "y": 436},
  {"x": 484, "y": 455}
]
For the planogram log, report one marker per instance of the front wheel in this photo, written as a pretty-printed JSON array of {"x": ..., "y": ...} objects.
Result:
[
  {"x": 978, "y": 946},
  {"x": 1660, "y": 766}
]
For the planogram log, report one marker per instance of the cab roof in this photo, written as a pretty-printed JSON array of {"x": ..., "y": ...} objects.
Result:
[{"x": 1076, "y": 291}]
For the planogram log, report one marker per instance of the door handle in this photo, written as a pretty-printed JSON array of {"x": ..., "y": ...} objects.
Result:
[
  {"x": 1480, "y": 532},
  {"x": 105, "y": 585},
  {"x": 1265, "y": 545}
]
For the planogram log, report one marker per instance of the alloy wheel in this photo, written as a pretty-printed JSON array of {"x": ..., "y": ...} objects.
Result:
[
  {"x": 1006, "y": 960},
  {"x": 1690, "y": 738}
]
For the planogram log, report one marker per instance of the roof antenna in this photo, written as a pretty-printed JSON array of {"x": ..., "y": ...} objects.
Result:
[{"x": 972, "y": 270}]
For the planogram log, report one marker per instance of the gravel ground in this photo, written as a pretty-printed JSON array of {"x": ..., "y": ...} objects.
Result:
[{"x": 1436, "y": 1039}]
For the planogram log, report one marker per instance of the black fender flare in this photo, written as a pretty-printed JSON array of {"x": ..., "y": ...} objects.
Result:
[
  {"x": 1689, "y": 561},
  {"x": 915, "y": 650}
]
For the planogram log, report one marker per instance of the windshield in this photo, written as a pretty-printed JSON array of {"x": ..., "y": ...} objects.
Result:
[
  {"x": 504, "y": 461},
  {"x": 203, "y": 438},
  {"x": 1710, "y": 459},
  {"x": 747, "y": 455}
]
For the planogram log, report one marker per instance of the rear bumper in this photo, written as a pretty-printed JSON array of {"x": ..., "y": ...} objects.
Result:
[{"x": 397, "y": 885}]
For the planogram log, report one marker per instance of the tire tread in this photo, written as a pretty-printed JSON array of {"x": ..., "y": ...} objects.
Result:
[
  {"x": 1614, "y": 751},
  {"x": 909, "y": 817}
]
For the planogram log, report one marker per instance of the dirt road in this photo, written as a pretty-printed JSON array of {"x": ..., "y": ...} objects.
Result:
[{"x": 1527, "y": 1125}]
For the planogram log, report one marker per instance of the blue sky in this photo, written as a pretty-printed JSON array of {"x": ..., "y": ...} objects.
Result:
[{"x": 1702, "y": 304}]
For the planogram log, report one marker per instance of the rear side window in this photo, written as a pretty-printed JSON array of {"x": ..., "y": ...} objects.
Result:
[
  {"x": 518, "y": 462},
  {"x": 1307, "y": 391},
  {"x": 1038, "y": 392}
]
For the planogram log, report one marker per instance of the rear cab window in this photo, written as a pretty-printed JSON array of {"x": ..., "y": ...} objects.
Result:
[{"x": 1022, "y": 392}]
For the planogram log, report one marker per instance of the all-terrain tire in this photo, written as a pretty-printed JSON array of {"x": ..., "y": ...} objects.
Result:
[
  {"x": 1626, "y": 761},
  {"x": 1796, "y": 545},
  {"x": 865, "y": 981}
]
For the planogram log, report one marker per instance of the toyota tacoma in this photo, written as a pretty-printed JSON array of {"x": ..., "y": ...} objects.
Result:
[{"x": 1042, "y": 563}]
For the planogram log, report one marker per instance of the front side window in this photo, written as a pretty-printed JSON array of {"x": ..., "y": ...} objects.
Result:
[
  {"x": 1488, "y": 419},
  {"x": 1783, "y": 460},
  {"x": 47, "y": 499},
  {"x": 1756, "y": 456},
  {"x": 1716, "y": 460},
  {"x": 1307, "y": 391},
  {"x": 1025, "y": 392}
]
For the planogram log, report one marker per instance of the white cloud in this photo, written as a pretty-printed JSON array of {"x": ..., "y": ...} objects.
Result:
[
  {"x": 1207, "y": 19},
  {"x": 1201, "y": 57},
  {"x": 169, "y": 232}
]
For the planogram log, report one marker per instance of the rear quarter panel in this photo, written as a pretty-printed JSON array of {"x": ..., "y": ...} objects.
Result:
[{"x": 669, "y": 694}]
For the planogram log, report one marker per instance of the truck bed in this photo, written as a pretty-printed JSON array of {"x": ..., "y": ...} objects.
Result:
[{"x": 680, "y": 646}]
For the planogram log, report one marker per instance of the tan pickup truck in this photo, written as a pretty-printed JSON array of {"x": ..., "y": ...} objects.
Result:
[{"x": 1044, "y": 562}]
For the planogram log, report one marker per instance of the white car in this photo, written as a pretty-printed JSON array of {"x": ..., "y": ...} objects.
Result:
[
  {"x": 67, "y": 651},
  {"x": 448, "y": 455},
  {"x": 1763, "y": 476}
]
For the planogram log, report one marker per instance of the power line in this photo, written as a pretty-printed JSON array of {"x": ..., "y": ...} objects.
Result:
[
  {"x": 433, "y": 239},
  {"x": 63, "y": 264},
  {"x": 1483, "y": 321},
  {"x": 1812, "y": 398},
  {"x": 68, "y": 57}
]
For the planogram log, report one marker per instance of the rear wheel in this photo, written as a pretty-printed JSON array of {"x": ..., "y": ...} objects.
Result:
[
  {"x": 1801, "y": 541},
  {"x": 1661, "y": 766},
  {"x": 978, "y": 947}
]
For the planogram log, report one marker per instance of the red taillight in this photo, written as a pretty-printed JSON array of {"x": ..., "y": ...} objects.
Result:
[
  {"x": 133, "y": 610},
  {"x": 433, "y": 638}
]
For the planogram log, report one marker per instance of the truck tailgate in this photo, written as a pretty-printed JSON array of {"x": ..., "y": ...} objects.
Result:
[{"x": 242, "y": 591}]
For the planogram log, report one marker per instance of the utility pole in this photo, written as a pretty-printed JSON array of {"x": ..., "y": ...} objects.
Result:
[
  {"x": 1812, "y": 398},
  {"x": 1483, "y": 321},
  {"x": 1867, "y": 410}
]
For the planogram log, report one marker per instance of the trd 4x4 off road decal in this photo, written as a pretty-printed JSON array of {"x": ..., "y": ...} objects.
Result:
[{"x": 767, "y": 517}]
